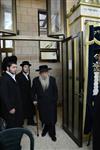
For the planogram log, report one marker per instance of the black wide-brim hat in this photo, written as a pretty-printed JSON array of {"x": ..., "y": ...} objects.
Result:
[
  {"x": 7, "y": 61},
  {"x": 4, "y": 63},
  {"x": 43, "y": 68},
  {"x": 12, "y": 59},
  {"x": 25, "y": 63}
]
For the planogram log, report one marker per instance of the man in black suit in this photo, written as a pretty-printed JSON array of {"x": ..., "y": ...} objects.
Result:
[
  {"x": 44, "y": 90},
  {"x": 11, "y": 106},
  {"x": 24, "y": 81}
]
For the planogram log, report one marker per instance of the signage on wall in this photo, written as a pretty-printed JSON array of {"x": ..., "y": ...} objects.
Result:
[{"x": 88, "y": 11}]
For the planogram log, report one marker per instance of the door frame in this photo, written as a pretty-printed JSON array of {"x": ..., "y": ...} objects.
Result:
[
  {"x": 71, "y": 38},
  {"x": 37, "y": 38}
]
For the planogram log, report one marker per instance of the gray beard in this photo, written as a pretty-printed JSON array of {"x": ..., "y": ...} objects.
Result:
[{"x": 44, "y": 83}]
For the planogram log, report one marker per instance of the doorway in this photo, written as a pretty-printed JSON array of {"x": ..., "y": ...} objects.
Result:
[
  {"x": 72, "y": 75},
  {"x": 72, "y": 68}
]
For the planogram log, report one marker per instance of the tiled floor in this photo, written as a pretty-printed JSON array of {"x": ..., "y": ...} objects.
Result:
[
  {"x": 63, "y": 142},
  {"x": 44, "y": 143}
]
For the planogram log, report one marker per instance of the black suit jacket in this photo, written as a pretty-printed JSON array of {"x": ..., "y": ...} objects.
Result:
[
  {"x": 10, "y": 98},
  {"x": 47, "y": 100},
  {"x": 25, "y": 89}
]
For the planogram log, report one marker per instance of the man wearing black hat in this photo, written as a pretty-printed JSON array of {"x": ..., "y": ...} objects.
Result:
[
  {"x": 44, "y": 90},
  {"x": 10, "y": 94},
  {"x": 24, "y": 81}
]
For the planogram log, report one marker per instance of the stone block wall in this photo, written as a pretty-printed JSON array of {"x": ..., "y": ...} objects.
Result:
[{"x": 27, "y": 24}]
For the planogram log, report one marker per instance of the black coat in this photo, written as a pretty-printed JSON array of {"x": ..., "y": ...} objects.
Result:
[
  {"x": 96, "y": 123},
  {"x": 47, "y": 100},
  {"x": 10, "y": 98},
  {"x": 25, "y": 88},
  {"x": 0, "y": 99}
]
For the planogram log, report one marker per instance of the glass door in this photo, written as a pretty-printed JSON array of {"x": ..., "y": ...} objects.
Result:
[
  {"x": 8, "y": 16},
  {"x": 73, "y": 87}
]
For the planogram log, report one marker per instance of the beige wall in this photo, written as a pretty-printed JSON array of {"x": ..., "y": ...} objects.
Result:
[
  {"x": 75, "y": 27},
  {"x": 70, "y": 4},
  {"x": 27, "y": 24}
]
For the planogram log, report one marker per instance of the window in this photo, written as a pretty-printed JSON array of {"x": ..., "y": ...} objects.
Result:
[
  {"x": 49, "y": 51},
  {"x": 7, "y": 16},
  {"x": 91, "y": 1},
  {"x": 42, "y": 16},
  {"x": 56, "y": 10},
  {"x": 6, "y": 49}
]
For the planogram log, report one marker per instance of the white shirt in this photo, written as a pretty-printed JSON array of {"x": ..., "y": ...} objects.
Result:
[
  {"x": 12, "y": 75},
  {"x": 26, "y": 75}
]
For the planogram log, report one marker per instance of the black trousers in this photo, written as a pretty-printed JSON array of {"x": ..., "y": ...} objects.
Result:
[
  {"x": 96, "y": 123},
  {"x": 50, "y": 128}
]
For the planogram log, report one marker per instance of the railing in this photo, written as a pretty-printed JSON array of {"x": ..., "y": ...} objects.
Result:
[{"x": 90, "y": 1}]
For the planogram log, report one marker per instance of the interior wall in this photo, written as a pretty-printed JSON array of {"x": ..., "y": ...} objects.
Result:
[
  {"x": 27, "y": 24},
  {"x": 75, "y": 27},
  {"x": 70, "y": 4}
]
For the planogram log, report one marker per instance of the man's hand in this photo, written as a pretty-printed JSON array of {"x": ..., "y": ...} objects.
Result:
[{"x": 12, "y": 111}]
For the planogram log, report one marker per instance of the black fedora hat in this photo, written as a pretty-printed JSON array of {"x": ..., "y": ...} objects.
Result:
[
  {"x": 25, "y": 63},
  {"x": 43, "y": 68},
  {"x": 4, "y": 63},
  {"x": 12, "y": 59},
  {"x": 7, "y": 61}
]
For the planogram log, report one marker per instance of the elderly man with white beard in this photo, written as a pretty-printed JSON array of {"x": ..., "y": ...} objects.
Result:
[{"x": 45, "y": 92}]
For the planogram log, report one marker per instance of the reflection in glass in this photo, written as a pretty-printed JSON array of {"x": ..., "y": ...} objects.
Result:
[
  {"x": 3, "y": 55},
  {"x": 8, "y": 44},
  {"x": 91, "y": 1},
  {"x": 43, "y": 23},
  {"x": 55, "y": 9},
  {"x": 48, "y": 45},
  {"x": 70, "y": 83},
  {"x": 6, "y": 14},
  {"x": 42, "y": 16},
  {"x": 55, "y": 17},
  {"x": 9, "y": 53},
  {"x": 7, "y": 21},
  {"x": 65, "y": 122},
  {"x": 76, "y": 87},
  {"x": 1, "y": 43}
]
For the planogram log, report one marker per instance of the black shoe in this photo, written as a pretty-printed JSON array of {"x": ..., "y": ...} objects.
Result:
[
  {"x": 44, "y": 133},
  {"x": 54, "y": 138}
]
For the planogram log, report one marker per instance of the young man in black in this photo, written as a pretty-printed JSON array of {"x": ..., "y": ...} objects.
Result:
[
  {"x": 24, "y": 81},
  {"x": 11, "y": 107}
]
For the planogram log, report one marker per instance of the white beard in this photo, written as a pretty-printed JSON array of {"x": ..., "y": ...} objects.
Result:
[{"x": 44, "y": 83}]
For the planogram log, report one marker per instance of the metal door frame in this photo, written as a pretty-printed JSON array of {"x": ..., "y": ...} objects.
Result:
[{"x": 80, "y": 141}]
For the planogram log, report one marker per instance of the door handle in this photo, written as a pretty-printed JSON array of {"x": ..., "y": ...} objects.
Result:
[{"x": 80, "y": 95}]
